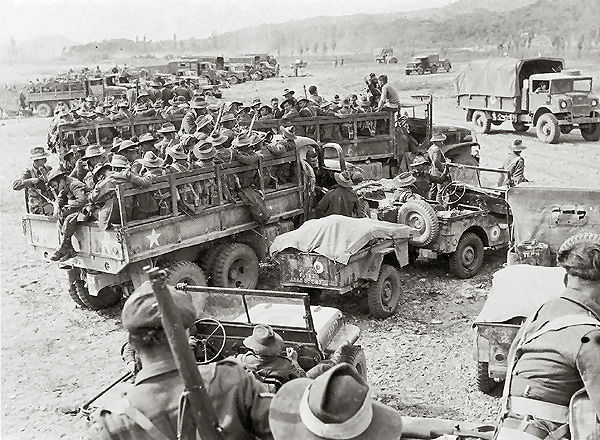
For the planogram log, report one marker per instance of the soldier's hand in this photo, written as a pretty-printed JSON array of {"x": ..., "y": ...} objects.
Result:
[
  {"x": 291, "y": 354},
  {"x": 131, "y": 367},
  {"x": 36, "y": 181}
]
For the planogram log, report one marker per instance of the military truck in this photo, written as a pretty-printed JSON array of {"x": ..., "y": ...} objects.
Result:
[
  {"x": 421, "y": 64},
  {"x": 385, "y": 55},
  {"x": 534, "y": 92},
  {"x": 375, "y": 143},
  {"x": 219, "y": 239},
  {"x": 44, "y": 98}
]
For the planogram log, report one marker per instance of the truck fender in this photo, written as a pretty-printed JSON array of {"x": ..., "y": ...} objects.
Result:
[
  {"x": 98, "y": 280},
  {"x": 539, "y": 112}
]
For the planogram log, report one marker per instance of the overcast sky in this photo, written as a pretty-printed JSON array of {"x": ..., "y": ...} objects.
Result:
[{"x": 88, "y": 20}]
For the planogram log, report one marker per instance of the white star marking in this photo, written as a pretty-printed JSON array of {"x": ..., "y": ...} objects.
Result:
[{"x": 153, "y": 238}]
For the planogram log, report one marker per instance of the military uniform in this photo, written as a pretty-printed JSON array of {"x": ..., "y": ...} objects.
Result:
[
  {"x": 339, "y": 200},
  {"x": 278, "y": 367},
  {"x": 555, "y": 354},
  {"x": 515, "y": 165},
  {"x": 33, "y": 180}
]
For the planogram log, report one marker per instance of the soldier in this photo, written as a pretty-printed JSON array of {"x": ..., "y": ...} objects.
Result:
[
  {"x": 197, "y": 109},
  {"x": 178, "y": 107},
  {"x": 71, "y": 198},
  {"x": 288, "y": 95},
  {"x": 265, "y": 112},
  {"x": 129, "y": 150},
  {"x": 438, "y": 170},
  {"x": 557, "y": 353},
  {"x": 207, "y": 155},
  {"x": 277, "y": 112},
  {"x": 289, "y": 110},
  {"x": 341, "y": 199},
  {"x": 168, "y": 132},
  {"x": 123, "y": 112},
  {"x": 228, "y": 123},
  {"x": 374, "y": 89},
  {"x": 514, "y": 164},
  {"x": 255, "y": 106},
  {"x": 336, "y": 405},
  {"x": 146, "y": 142},
  {"x": 179, "y": 159},
  {"x": 204, "y": 124},
  {"x": 389, "y": 96},
  {"x": 244, "y": 116},
  {"x": 313, "y": 95},
  {"x": 34, "y": 180},
  {"x": 268, "y": 357},
  {"x": 183, "y": 91},
  {"x": 152, "y": 405}
]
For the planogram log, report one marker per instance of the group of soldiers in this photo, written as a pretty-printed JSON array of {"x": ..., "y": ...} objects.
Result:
[{"x": 552, "y": 390}]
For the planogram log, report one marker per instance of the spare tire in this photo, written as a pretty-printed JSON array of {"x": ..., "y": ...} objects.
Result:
[
  {"x": 420, "y": 215},
  {"x": 589, "y": 237}
]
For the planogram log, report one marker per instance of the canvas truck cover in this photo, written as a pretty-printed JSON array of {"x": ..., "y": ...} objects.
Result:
[
  {"x": 502, "y": 77},
  {"x": 551, "y": 215},
  {"x": 338, "y": 237},
  {"x": 518, "y": 290}
]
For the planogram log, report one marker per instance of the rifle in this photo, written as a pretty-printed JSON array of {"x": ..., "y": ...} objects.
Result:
[
  {"x": 305, "y": 95},
  {"x": 194, "y": 395},
  {"x": 431, "y": 428},
  {"x": 218, "y": 121},
  {"x": 252, "y": 124},
  {"x": 85, "y": 408}
]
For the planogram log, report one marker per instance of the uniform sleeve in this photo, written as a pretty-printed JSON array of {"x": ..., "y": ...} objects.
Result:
[
  {"x": 141, "y": 181},
  {"x": 23, "y": 182},
  {"x": 518, "y": 171},
  {"x": 256, "y": 400},
  {"x": 588, "y": 364},
  {"x": 79, "y": 195},
  {"x": 322, "y": 206}
]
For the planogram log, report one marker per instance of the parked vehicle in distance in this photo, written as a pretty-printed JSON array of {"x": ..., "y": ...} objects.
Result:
[
  {"x": 427, "y": 63},
  {"x": 385, "y": 55},
  {"x": 534, "y": 92}
]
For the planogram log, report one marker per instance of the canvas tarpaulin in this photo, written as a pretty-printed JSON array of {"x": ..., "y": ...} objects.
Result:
[
  {"x": 494, "y": 77},
  {"x": 338, "y": 237},
  {"x": 518, "y": 291}
]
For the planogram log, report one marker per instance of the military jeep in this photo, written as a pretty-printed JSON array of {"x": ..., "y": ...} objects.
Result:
[{"x": 427, "y": 63}]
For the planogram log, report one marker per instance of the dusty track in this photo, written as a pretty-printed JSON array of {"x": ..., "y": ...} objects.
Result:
[{"x": 55, "y": 355}]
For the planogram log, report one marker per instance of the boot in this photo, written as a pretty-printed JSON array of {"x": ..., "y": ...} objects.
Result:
[
  {"x": 68, "y": 254},
  {"x": 63, "y": 253}
]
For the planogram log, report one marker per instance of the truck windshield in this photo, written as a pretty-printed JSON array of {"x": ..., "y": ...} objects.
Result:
[{"x": 568, "y": 85}]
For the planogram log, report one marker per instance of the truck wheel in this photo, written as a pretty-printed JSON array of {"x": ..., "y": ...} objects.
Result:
[
  {"x": 497, "y": 123},
  {"x": 207, "y": 261},
  {"x": 547, "y": 128},
  {"x": 434, "y": 69},
  {"x": 520, "y": 127},
  {"x": 43, "y": 110},
  {"x": 233, "y": 80},
  {"x": 259, "y": 77},
  {"x": 590, "y": 132},
  {"x": 383, "y": 295},
  {"x": 484, "y": 382},
  {"x": 73, "y": 277},
  {"x": 466, "y": 261},
  {"x": 355, "y": 356},
  {"x": 420, "y": 70},
  {"x": 420, "y": 215},
  {"x": 408, "y": 72},
  {"x": 185, "y": 272},
  {"x": 482, "y": 122},
  {"x": 236, "y": 265}
]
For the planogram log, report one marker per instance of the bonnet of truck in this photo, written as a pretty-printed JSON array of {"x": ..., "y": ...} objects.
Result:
[{"x": 551, "y": 215}]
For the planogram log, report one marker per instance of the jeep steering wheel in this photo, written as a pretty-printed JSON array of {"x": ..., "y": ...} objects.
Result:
[
  {"x": 210, "y": 347},
  {"x": 452, "y": 193}
]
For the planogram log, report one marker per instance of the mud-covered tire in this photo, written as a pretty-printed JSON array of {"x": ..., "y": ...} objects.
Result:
[
  {"x": 434, "y": 68},
  {"x": 233, "y": 80},
  {"x": 207, "y": 261},
  {"x": 43, "y": 110},
  {"x": 355, "y": 356},
  {"x": 481, "y": 122},
  {"x": 420, "y": 70},
  {"x": 185, "y": 272},
  {"x": 384, "y": 294},
  {"x": 466, "y": 261},
  {"x": 520, "y": 127},
  {"x": 420, "y": 215},
  {"x": 73, "y": 279},
  {"x": 485, "y": 383},
  {"x": 107, "y": 296},
  {"x": 548, "y": 129},
  {"x": 590, "y": 132},
  {"x": 236, "y": 265}
]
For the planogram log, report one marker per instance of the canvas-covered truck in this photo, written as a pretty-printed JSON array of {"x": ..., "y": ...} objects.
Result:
[
  {"x": 421, "y": 64},
  {"x": 385, "y": 55},
  {"x": 215, "y": 237},
  {"x": 534, "y": 92},
  {"x": 542, "y": 219}
]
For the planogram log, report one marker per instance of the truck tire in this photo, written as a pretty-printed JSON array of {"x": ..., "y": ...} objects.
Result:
[
  {"x": 185, "y": 272},
  {"x": 481, "y": 122},
  {"x": 420, "y": 215},
  {"x": 547, "y": 128},
  {"x": 43, "y": 110},
  {"x": 355, "y": 356},
  {"x": 233, "y": 80},
  {"x": 236, "y": 265},
  {"x": 383, "y": 295},
  {"x": 420, "y": 70},
  {"x": 393, "y": 60},
  {"x": 520, "y": 127},
  {"x": 434, "y": 68},
  {"x": 259, "y": 77},
  {"x": 590, "y": 132},
  {"x": 579, "y": 238},
  {"x": 408, "y": 72},
  {"x": 484, "y": 382},
  {"x": 497, "y": 123},
  {"x": 466, "y": 261},
  {"x": 207, "y": 261},
  {"x": 73, "y": 278}
]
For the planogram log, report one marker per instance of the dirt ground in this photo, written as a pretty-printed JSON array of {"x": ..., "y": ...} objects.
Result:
[{"x": 56, "y": 355}]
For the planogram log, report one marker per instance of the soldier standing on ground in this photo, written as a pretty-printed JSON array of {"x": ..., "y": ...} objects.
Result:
[
  {"x": 514, "y": 164},
  {"x": 341, "y": 199},
  {"x": 34, "y": 180}
]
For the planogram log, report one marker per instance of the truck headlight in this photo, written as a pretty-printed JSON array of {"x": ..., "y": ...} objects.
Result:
[
  {"x": 563, "y": 104},
  {"x": 594, "y": 102}
]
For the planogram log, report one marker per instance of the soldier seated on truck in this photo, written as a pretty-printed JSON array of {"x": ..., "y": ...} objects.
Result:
[{"x": 34, "y": 181}]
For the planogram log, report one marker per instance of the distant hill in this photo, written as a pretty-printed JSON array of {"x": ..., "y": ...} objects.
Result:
[
  {"x": 38, "y": 48},
  {"x": 512, "y": 24}
]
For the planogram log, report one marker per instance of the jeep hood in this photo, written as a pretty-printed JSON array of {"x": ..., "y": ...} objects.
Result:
[{"x": 551, "y": 215}]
